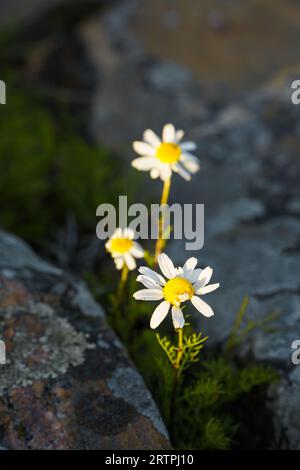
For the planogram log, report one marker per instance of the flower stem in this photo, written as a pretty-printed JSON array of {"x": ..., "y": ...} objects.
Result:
[
  {"x": 124, "y": 274},
  {"x": 175, "y": 382},
  {"x": 160, "y": 244},
  {"x": 180, "y": 348},
  {"x": 122, "y": 283}
]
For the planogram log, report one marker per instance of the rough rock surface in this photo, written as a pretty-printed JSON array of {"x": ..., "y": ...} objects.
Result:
[
  {"x": 67, "y": 382},
  {"x": 249, "y": 183}
]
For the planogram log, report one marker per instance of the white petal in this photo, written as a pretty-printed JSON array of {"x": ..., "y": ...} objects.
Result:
[
  {"x": 168, "y": 133},
  {"x": 118, "y": 233},
  {"x": 154, "y": 173},
  {"x": 183, "y": 297},
  {"x": 151, "y": 138},
  {"x": 207, "y": 289},
  {"x": 179, "y": 271},
  {"x": 177, "y": 317},
  {"x": 143, "y": 163},
  {"x": 129, "y": 260},
  {"x": 166, "y": 266},
  {"x": 194, "y": 276},
  {"x": 148, "y": 294},
  {"x": 159, "y": 314},
  {"x": 179, "y": 135},
  {"x": 188, "y": 146},
  {"x": 190, "y": 162},
  {"x": 128, "y": 233},
  {"x": 119, "y": 262},
  {"x": 165, "y": 172},
  {"x": 143, "y": 149},
  {"x": 189, "y": 266},
  {"x": 137, "y": 251},
  {"x": 150, "y": 273},
  {"x": 191, "y": 166},
  {"x": 205, "y": 276},
  {"x": 181, "y": 171},
  {"x": 147, "y": 282},
  {"x": 189, "y": 156},
  {"x": 202, "y": 306}
]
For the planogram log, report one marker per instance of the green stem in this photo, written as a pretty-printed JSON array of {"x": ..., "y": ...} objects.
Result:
[
  {"x": 175, "y": 382},
  {"x": 124, "y": 276},
  {"x": 160, "y": 244},
  {"x": 118, "y": 307}
]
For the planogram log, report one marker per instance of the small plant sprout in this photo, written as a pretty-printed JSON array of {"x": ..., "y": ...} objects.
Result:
[
  {"x": 162, "y": 157},
  {"x": 182, "y": 284},
  {"x": 124, "y": 249}
]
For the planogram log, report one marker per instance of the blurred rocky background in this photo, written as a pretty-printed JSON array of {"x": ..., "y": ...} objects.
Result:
[{"x": 85, "y": 78}]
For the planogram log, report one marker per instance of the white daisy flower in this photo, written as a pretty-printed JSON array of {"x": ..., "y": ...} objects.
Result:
[
  {"x": 163, "y": 156},
  {"x": 124, "y": 249},
  {"x": 181, "y": 284}
]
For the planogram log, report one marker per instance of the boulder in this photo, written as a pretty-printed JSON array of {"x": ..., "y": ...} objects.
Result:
[{"x": 67, "y": 382}]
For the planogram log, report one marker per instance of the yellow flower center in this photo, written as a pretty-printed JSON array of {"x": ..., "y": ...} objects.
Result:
[
  {"x": 168, "y": 153},
  {"x": 120, "y": 245},
  {"x": 177, "y": 287}
]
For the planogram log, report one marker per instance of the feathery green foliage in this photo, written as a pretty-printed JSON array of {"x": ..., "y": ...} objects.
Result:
[{"x": 211, "y": 383}]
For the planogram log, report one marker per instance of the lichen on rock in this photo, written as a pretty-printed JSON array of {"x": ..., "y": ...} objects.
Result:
[
  {"x": 57, "y": 388},
  {"x": 40, "y": 345}
]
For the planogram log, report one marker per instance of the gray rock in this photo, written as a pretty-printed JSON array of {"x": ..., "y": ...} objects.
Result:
[
  {"x": 286, "y": 410},
  {"x": 169, "y": 77},
  {"x": 126, "y": 383},
  {"x": 65, "y": 371},
  {"x": 242, "y": 210},
  {"x": 172, "y": 19},
  {"x": 24, "y": 257},
  {"x": 85, "y": 301},
  {"x": 294, "y": 206}
]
